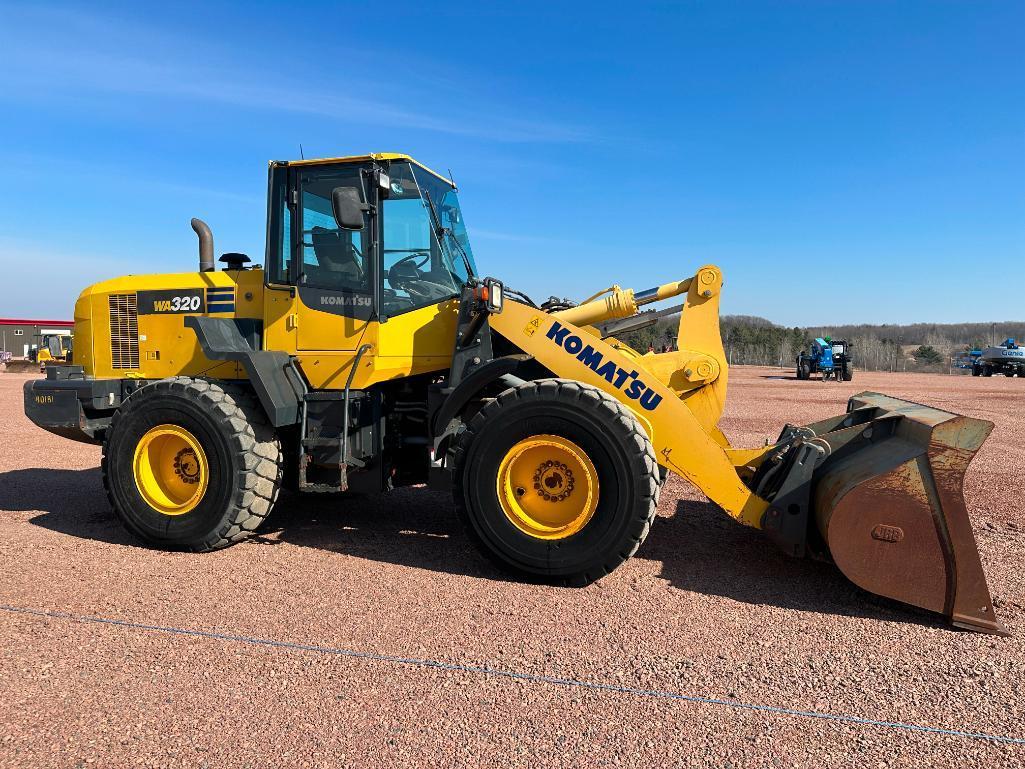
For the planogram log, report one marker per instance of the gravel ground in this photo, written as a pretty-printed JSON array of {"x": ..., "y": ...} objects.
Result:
[{"x": 706, "y": 609}]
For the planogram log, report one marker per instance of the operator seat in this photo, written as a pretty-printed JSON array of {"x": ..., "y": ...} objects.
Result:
[{"x": 339, "y": 263}]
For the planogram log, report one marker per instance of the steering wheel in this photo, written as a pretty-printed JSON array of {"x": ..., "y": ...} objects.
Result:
[
  {"x": 405, "y": 275},
  {"x": 412, "y": 257}
]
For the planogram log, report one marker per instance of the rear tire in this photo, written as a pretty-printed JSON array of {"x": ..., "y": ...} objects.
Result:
[
  {"x": 240, "y": 455},
  {"x": 848, "y": 373},
  {"x": 618, "y": 454},
  {"x": 804, "y": 370}
]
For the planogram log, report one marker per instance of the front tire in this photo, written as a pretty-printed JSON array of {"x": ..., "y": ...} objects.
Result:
[
  {"x": 191, "y": 464},
  {"x": 556, "y": 480}
]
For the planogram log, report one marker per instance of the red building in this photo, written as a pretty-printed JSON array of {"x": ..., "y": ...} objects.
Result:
[{"x": 19, "y": 335}]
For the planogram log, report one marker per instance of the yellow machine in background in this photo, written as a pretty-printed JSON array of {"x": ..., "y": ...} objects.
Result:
[
  {"x": 50, "y": 349},
  {"x": 367, "y": 352}
]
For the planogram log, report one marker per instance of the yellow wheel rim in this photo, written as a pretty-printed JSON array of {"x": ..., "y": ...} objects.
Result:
[
  {"x": 171, "y": 471},
  {"x": 547, "y": 487}
]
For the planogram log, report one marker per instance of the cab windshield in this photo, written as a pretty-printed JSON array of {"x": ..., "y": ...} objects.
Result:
[
  {"x": 446, "y": 205},
  {"x": 426, "y": 251}
]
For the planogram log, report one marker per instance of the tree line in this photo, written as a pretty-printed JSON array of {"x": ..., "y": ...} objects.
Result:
[{"x": 750, "y": 340}]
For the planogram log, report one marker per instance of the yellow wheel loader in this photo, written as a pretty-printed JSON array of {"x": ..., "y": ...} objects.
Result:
[
  {"x": 368, "y": 353},
  {"x": 51, "y": 349}
]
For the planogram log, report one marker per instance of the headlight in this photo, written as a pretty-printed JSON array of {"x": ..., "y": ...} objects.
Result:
[
  {"x": 491, "y": 295},
  {"x": 495, "y": 297}
]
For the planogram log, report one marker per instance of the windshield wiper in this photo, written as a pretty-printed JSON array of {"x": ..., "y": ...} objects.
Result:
[{"x": 441, "y": 232}]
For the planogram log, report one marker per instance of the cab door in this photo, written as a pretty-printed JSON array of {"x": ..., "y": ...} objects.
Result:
[
  {"x": 332, "y": 269},
  {"x": 419, "y": 295}
]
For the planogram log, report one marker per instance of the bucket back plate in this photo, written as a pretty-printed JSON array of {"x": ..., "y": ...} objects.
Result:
[{"x": 889, "y": 505}]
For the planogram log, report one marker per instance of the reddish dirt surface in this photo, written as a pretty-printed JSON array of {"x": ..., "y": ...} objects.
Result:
[{"x": 707, "y": 608}]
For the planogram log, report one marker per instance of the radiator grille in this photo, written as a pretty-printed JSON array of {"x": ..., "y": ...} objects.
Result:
[{"x": 124, "y": 331}]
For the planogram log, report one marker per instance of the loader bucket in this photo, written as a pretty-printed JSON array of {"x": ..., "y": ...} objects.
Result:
[{"x": 888, "y": 503}]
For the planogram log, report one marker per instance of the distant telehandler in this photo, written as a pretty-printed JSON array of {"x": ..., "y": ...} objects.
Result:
[{"x": 829, "y": 357}]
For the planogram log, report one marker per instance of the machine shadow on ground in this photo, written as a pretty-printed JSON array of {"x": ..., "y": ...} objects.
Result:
[
  {"x": 408, "y": 527},
  {"x": 704, "y": 551},
  {"x": 70, "y": 502},
  {"x": 699, "y": 548}
]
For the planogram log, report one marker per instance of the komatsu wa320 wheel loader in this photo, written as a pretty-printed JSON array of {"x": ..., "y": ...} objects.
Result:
[{"x": 368, "y": 353}]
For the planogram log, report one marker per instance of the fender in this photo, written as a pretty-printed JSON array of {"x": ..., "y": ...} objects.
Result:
[
  {"x": 275, "y": 381},
  {"x": 473, "y": 383}
]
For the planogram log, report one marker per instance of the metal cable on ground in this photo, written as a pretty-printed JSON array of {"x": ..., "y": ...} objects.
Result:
[{"x": 532, "y": 677}]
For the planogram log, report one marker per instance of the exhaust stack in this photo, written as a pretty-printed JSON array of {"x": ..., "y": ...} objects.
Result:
[{"x": 206, "y": 245}]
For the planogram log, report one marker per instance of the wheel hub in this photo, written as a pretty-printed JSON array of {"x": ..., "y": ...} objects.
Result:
[
  {"x": 553, "y": 481},
  {"x": 186, "y": 465}
]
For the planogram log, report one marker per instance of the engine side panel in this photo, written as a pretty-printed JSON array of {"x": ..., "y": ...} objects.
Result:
[{"x": 133, "y": 326}]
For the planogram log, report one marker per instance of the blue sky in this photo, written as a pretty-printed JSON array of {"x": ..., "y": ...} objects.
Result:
[{"x": 842, "y": 162}]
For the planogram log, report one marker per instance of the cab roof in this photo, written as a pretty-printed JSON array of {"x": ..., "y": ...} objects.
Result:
[{"x": 379, "y": 156}]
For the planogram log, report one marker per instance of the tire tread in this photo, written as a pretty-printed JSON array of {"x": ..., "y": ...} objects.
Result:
[
  {"x": 255, "y": 444},
  {"x": 618, "y": 418}
]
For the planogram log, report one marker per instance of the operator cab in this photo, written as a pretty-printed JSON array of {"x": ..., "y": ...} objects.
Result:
[{"x": 373, "y": 236}]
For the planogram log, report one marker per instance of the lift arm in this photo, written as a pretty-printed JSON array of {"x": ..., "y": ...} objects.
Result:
[{"x": 677, "y": 397}]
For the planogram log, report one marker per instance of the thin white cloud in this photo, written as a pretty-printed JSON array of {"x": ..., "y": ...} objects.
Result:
[
  {"x": 85, "y": 54},
  {"x": 114, "y": 173}
]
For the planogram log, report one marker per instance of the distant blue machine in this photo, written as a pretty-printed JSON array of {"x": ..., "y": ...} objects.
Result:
[
  {"x": 829, "y": 357},
  {"x": 968, "y": 359},
  {"x": 1007, "y": 359}
]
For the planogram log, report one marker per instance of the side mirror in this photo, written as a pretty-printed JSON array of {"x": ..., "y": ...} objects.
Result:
[{"x": 347, "y": 208}]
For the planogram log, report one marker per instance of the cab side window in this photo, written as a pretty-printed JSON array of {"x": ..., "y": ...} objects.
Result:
[
  {"x": 407, "y": 250},
  {"x": 332, "y": 258},
  {"x": 279, "y": 229}
]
